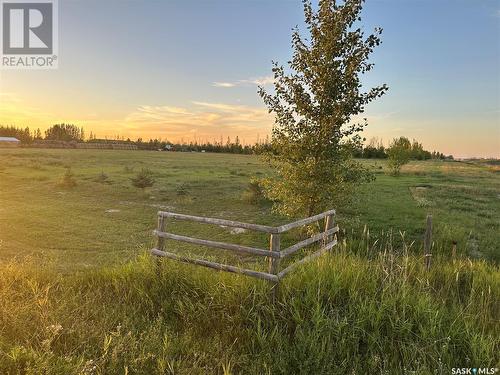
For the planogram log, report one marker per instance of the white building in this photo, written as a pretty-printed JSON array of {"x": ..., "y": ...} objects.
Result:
[{"x": 9, "y": 142}]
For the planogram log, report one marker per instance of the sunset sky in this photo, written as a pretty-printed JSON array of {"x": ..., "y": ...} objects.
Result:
[{"x": 190, "y": 69}]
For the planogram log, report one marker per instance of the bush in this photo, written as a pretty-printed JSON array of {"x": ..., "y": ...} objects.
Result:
[
  {"x": 399, "y": 154},
  {"x": 68, "y": 181},
  {"x": 182, "y": 189},
  {"x": 254, "y": 192},
  {"x": 143, "y": 179},
  {"x": 102, "y": 178}
]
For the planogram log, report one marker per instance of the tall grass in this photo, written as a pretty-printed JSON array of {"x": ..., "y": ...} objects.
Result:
[{"x": 343, "y": 313}]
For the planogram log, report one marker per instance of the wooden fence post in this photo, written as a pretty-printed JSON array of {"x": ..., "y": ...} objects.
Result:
[
  {"x": 428, "y": 243},
  {"x": 160, "y": 245},
  {"x": 274, "y": 263},
  {"x": 454, "y": 250},
  {"x": 329, "y": 223}
]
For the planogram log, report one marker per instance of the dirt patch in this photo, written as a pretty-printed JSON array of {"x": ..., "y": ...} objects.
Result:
[{"x": 234, "y": 230}]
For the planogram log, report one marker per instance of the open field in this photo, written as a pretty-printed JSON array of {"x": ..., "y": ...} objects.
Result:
[
  {"x": 80, "y": 296},
  {"x": 106, "y": 222}
]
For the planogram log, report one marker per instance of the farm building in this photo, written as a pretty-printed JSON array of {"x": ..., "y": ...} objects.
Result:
[{"x": 9, "y": 142}]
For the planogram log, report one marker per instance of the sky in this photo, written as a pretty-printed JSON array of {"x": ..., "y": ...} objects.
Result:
[{"x": 188, "y": 70}]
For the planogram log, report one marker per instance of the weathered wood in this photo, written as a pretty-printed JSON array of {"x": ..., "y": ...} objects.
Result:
[
  {"x": 307, "y": 259},
  {"x": 274, "y": 264},
  {"x": 305, "y": 221},
  {"x": 217, "y": 266},
  {"x": 273, "y": 253},
  {"x": 454, "y": 250},
  {"x": 308, "y": 241},
  {"x": 160, "y": 245},
  {"x": 274, "y": 248},
  {"x": 228, "y": 223},
  {"x": 428, "y": 243},
  {"x": 329, "y": 223},
  {"x": 220, "y": 245}
]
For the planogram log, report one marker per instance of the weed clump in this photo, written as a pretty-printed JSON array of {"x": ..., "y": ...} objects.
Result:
[
  {"x": 254, "y": 192},
  {"x": 181, "y": 189},
  {"x": 102, "y": 178},
  {"x": 68, "y": 181},
  {"x": 143, "y": 179}
]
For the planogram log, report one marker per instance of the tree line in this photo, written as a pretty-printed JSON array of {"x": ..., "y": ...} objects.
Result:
[
  {"x": 58, "y": 132},
  {"x": 374, "y": 149},
  {"x": 72, "y": 133}
]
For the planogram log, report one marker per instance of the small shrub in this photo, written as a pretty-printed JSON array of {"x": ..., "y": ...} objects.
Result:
[
  {"x": 398, "y": 154},
  {"x": 68, "y": 181},
  {"x": 254, "y": 192},
  {"x": 102, "y": 178},
  {"x": 143, "y": 179},
  {"x": 128, "y": 169},
  {"x": 181, "y": 189}
]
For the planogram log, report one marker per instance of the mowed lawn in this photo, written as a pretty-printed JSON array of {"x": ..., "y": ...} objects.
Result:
[{"x": 104, "y": 220}]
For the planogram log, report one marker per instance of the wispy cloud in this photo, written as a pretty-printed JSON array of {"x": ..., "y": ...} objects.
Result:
[
  {"x": 223, "y": 84},
  {"x": 204, "y": 119},
  {"x": 258, "y": 81},
  {"x": 197, "y": 119}
]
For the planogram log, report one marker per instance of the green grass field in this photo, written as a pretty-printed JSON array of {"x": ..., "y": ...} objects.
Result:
[
  {"x": 80, "y": 295},
  {"x": 107, "y": 222}
]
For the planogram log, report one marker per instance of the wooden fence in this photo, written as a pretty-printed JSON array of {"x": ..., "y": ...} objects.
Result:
[{"x": 274, "y": 253}]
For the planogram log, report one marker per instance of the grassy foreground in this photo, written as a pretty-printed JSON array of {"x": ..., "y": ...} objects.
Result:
[
  {"x": 340, "y": 314},
  {"x": 79, "y": 294}
]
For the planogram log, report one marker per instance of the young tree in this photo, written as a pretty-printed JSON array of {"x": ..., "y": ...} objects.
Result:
[
  {"x": 314, "y": 103},
  {"x": 143, "y": 179},
  {"x": 399, "y": 153}
]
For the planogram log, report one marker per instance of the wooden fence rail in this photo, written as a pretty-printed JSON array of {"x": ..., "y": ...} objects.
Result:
[{"x": 274, "y": 253}]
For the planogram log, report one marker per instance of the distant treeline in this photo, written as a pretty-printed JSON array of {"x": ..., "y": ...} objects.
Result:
[
  {"x": 58, "y": 132},
  {"x": 375, "y": 149},
  {"x": 231, "y": 147},
  {"x": 74, "y": 134}
]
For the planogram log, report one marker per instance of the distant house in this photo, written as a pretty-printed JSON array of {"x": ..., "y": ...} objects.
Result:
[{"x": 9, "y": 142}]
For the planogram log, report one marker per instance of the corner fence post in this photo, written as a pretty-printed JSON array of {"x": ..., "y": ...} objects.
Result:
[
  {"x": 329, "y": 223},
  {"x": 274, "y": 263},
  {"x": 428, "y": 243},
  {"x": 160, "y": 245}
]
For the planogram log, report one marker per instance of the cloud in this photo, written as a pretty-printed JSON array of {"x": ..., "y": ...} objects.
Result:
[
  {"x": 205, "y": 120},
  {"x": 223, "y": 84},
  {"x": 258, "y": 81},
  {"x": 198, "y": 119}
]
